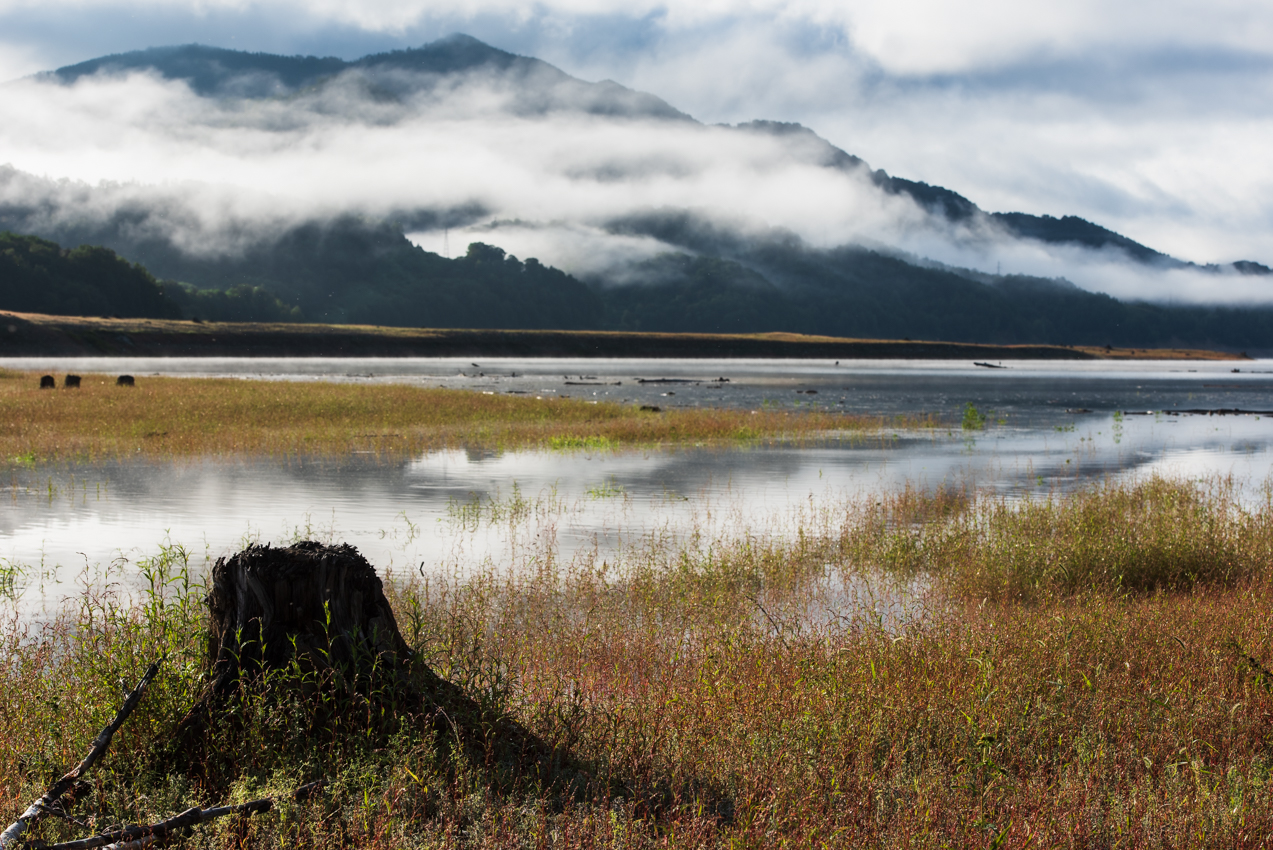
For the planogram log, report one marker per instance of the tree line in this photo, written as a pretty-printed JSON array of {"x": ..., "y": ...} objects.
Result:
[{"x": 354, "y": 271}]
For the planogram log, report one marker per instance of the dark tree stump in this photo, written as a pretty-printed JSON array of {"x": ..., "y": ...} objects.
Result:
[
  {"x": 322, "y": 610},
  {"x": 322, "y": 606}
]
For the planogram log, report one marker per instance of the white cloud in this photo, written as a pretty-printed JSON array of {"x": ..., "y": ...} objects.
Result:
[
  {"x": 1168, "y": 148},
  {"x": 901, "y": 36},
  {"x": 207, "y": 167},
  {"x": 303, "y": 157},
  {"x": 934, "y": 36},
  {"x": 1147, "y": 119}
]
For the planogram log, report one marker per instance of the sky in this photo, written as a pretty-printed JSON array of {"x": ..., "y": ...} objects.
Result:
[{"x": 1152, "y": 119}]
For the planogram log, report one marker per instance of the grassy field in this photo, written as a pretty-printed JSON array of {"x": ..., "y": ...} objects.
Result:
[
  {"x": 205, "y": 416},
  {"x": 1085, "y": 671}
]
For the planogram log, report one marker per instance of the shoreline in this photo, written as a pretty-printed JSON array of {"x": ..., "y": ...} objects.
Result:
[{"x": 38, "y": 335}]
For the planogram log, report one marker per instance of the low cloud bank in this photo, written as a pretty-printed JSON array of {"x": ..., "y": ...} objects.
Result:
[{"x": 535, "y": 164}]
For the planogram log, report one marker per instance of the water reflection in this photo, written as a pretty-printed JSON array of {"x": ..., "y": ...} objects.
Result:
[{"x": 453, "y": 511}]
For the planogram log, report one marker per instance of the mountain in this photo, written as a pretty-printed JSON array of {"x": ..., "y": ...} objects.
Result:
[
  {"x": 349, "y": 270},
  {"x": 709, "y": 272},
  {"x": 217, "y": 72},
  {"x": 212, "y": 71},
  {"x": 331, "y": 273},
  {"x": 953, "y": 207},
  {"x": 539, "y": 88},
  {"x": 316, "y": 274},
  {"x": 1073, "y": 230},
  {"x": 773, "y": 280}
]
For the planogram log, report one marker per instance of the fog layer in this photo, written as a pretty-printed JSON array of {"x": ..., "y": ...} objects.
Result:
[{"x": 533, "y": 162}]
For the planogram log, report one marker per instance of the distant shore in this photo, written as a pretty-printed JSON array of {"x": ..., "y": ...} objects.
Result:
[{"x": 36, "y": 335}]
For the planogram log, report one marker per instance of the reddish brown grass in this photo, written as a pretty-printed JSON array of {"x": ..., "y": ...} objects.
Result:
[{"x": 713, "y": 711}]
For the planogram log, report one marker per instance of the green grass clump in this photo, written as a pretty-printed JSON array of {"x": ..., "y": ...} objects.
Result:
[
  {"x": 1151, "y": 536},
  {"x": 973, "y": 419},
  {"x": 589, "y": 442}
]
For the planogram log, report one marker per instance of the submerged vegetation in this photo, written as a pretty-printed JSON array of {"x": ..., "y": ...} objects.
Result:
[
  {"x": 201, "y": 416},
  {"x": 906, "y": 670}
]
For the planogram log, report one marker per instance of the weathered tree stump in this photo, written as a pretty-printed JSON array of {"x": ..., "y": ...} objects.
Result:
[
  {"x": 321, "y": 606},
  {"x": 320, "y": 611}
]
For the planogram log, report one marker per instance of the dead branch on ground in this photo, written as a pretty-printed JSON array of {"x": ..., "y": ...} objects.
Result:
[
  {"x": 131, "y": 837},
  {"x": 138, "y": 835},
  {"x": 50, "y": 802}
]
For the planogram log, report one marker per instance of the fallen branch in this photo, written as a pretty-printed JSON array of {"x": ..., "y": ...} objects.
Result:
[
  {"x": 49, "y": 802},
  {"x": 139, "y": 836},
  {"x": 133, "y": 845}
]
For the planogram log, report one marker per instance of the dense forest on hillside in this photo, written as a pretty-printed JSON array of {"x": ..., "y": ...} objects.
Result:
[
  {"x": 347, "y": 272},
  {"x": 773, "y": 281},
  {"x": 352, "y": 271},
  {"x": 39, "y": 276}
]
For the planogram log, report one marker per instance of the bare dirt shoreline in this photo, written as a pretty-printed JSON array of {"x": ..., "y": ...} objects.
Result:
[{"x": 36, "y": 335}]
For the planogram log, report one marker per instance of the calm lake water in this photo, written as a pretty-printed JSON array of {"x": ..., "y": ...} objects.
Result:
[{"x": 1050, "y": 427}]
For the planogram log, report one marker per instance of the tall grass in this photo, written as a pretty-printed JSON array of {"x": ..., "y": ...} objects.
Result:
[
  {"x": 1151, "y": 535},
  {"x": 202, "y": 416},
  {"x": 726, "y": 690}
]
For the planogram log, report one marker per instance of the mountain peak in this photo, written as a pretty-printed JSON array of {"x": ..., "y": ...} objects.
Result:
[
  {"x": 219, "y": 72},
  {"x": 453, "y": 53}
]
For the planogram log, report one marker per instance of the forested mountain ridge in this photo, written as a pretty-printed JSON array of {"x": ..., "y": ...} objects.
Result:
[
  {"x": 346, "y": 274},
  {"x": 541, "y": 87},
  {"x": 954, "y": 207},
  {"x": 780, "y": 283},
  {"x": 39, "y": 276},
  {"x": 218, "y": 72},
  {"x": 845, "y": 292},
  {"x": 707, "y": 273}
]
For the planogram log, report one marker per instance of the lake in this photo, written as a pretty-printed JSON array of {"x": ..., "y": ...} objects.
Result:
[{"x": 1049, "y": 427}]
